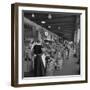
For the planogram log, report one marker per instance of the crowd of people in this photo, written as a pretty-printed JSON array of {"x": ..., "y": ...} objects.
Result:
[{"x": 48, "y": 56}]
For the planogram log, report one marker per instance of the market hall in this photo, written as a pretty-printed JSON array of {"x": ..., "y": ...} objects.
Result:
[{"x": 58, "y": 34}]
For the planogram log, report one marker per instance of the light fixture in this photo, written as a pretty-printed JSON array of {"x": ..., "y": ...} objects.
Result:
[
  {"x": 33, "y": 15},
  {"x": 59, "y": 27},
  {"x": 49, "y": 26},
  {"x": 49, "y": 16},
  {"x": 43, "y": 22}
]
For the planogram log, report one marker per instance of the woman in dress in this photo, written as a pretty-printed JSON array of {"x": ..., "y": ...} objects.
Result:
[{"x": 39, "y": 69}]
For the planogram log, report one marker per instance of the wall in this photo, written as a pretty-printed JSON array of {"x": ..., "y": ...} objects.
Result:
[{"x": 5, "y": 45}]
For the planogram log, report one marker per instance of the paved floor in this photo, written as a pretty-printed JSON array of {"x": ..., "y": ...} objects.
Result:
[{"x": 70, "y": 67}]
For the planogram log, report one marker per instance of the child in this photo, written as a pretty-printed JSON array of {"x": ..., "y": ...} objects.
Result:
[{"x": 59, "y": 61}]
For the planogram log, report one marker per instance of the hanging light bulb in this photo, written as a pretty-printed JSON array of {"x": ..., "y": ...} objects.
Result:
[
  {"x": 33, "y": 15},
  {"x": 59, "y": 27},
  {"x": 43, "y": 22},
  {"x": 49, "y": 16},
  {"x": 49, "y": 26}
]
